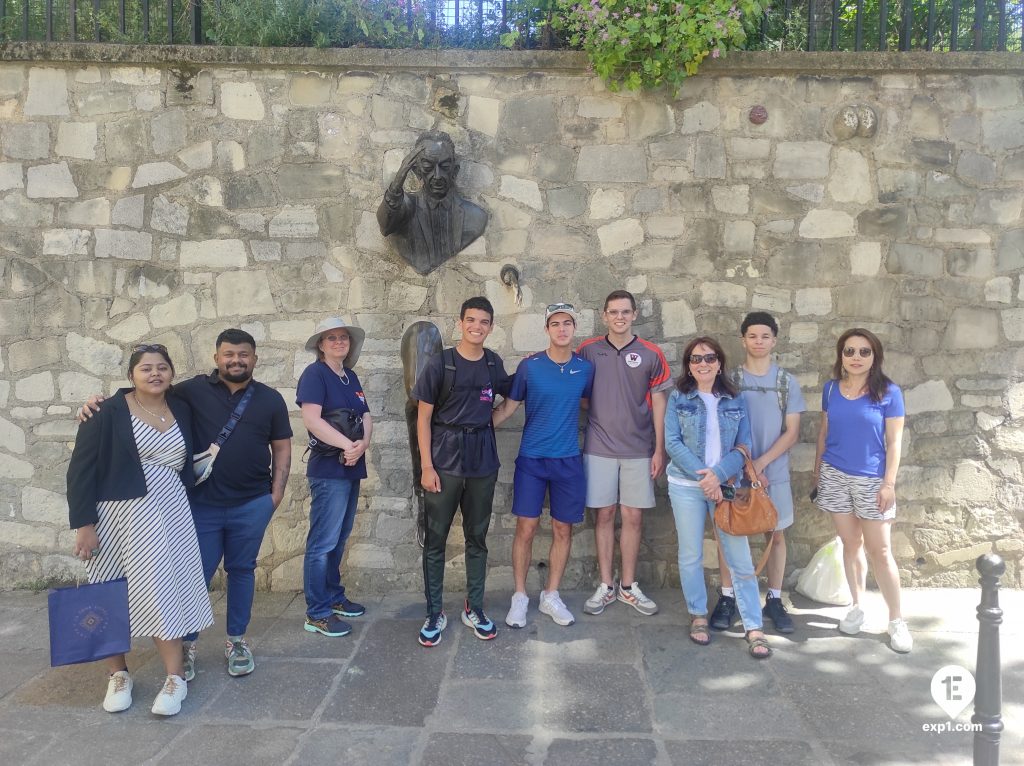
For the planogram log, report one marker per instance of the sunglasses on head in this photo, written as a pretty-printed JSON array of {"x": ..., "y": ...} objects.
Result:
[
  {"x": 556, "y": 307},
  {"x": 706, "y": 358},
  {"x": 849, "y": 352},
  {"x": 150, "y": 348}
]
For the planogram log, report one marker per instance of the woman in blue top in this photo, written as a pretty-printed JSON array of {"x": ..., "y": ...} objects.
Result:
[
  {"x": 855, "y": 469},
  {"x": 704, "y": 422},
  {"x": 330, "y": 384}
]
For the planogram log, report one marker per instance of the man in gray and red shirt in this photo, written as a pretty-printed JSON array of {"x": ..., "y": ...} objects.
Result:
[{"x": 624, "y": 447}]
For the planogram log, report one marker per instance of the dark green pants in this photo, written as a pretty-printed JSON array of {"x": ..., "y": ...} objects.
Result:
[{"x": 475, "y": 497}]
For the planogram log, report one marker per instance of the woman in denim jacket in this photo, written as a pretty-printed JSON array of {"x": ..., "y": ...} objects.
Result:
[{"x": 704, "y": 422}]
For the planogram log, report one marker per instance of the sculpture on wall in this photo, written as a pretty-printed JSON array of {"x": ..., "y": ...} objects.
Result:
[
  {"x": 420, "y": 341},
  {"x": 434, "y": 223}
]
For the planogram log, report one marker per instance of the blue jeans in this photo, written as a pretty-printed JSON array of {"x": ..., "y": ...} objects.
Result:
[
  {"x": 690, "y": 507},
  {"x": 331, "y": 515},
  {"x": 233, "y": 533}
]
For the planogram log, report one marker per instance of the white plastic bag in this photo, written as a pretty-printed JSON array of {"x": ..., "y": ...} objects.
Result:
[{"x": 824, "y": 578}]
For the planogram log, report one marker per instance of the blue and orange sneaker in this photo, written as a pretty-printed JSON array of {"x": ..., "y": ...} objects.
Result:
[
  {"x": 479, "y": 623},
  {"x": 433, "y": 627}
]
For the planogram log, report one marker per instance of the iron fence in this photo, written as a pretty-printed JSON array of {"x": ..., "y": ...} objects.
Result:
[{"x": 812, "y": 25}]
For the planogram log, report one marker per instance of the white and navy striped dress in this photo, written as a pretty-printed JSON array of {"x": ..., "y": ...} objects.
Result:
[{"x": 151, "y": 541}]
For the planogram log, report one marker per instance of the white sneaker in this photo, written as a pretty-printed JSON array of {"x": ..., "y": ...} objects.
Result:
[
  {"x": 119, "y": 692},
  {"x": 636, "y": 599},
  {"x": 852, "y": 622},
  {"x": 516, "y": 617},
  {"x": 603, "y": 596},
  {"x": 553, "y": 606},
  {"x": 899, "y": 636},
  {"x": 168, "y": 701}
]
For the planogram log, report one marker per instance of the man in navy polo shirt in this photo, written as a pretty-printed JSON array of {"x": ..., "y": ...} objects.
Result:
[
  {"x": 232, "y": 508},
  {"x": 552, "y": 383}
]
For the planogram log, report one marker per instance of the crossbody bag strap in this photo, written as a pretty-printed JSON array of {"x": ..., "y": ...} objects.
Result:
[{"x": 225, "y": 432}]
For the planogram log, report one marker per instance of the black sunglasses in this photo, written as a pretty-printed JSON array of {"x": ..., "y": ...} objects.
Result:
[
  {"x": 150, "y": 348},
  {"x": 554, "y": 308},
  {"x": 707, "y": 358},
  {"x": 865, "y": 352}
]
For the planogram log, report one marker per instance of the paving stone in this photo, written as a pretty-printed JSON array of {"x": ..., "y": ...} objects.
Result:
[
  {"x": 279, "y": 691},
  {"x": 460, "y": 750},
  {"x": 493, "y": 705},
  {"x": 847, "y": 716},
  {"x": 713, "y": 752},
  {"x": 219, "y": 744},
  {"x": 384, "y": 663},
  {"x": 576, "y": 699},
  {"x": 602, "y": 752},
  {"x": 379, "y": 746}
]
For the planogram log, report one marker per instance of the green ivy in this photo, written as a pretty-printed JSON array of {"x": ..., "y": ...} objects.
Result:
[{"x": 644, "y": 44}]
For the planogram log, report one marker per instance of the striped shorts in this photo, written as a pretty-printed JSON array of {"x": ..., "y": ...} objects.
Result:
[{"x": 840, "y": 492}]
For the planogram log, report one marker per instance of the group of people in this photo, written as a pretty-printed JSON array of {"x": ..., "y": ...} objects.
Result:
[{"x": 145, "y": 511}]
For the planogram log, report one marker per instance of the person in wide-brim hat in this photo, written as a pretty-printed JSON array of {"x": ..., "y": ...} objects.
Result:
[{"x": 357, "y": 334}]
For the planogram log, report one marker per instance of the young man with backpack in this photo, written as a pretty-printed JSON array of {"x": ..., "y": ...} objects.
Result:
[
  {"x": 459, "y": 460},
  {"x": 774, "y": 403}
]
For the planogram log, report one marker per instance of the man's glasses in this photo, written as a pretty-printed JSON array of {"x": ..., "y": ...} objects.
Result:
[
  {"x": 556, "y": 307},
  {"x": 619, "y": 312},
  {"x": 864, "y": 352},
  {"x": 150, "y": 348},
  {"x": 706, "y": 358}
]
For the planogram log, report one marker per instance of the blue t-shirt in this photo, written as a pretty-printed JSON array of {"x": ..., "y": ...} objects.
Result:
[
  {"x": 319, "y": 384},
  {"x": 761, "y": 395},
  {"x": 552, "y": 393},
  {"x": 855, "y": 443}
]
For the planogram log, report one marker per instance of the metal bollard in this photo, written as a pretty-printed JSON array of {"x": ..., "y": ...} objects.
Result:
[{"x": 988, "y": 673}]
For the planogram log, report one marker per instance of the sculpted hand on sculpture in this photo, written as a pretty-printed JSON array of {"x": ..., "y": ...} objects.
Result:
[{"x": 432, "y": 224}]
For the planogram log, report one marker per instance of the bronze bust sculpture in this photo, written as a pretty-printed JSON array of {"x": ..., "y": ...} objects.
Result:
[{"x": 432, "y": 224}]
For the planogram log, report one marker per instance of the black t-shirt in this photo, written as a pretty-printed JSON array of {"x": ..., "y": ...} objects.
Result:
[
  {"x": 242, "y": 469},
  {"x": 461, "y": 438}
]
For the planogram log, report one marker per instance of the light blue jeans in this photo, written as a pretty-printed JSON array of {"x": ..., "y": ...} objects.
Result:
[{"x": 690, "y": 507}]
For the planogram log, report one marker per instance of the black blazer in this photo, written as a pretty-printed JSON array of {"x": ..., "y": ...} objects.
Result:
[{"x": 105, "y": 463}]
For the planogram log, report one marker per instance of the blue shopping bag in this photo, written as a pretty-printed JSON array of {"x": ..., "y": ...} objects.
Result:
[{"x": 89, "y": 622}]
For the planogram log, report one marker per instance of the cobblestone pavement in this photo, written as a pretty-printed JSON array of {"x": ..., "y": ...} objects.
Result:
[{"x": 619, "y": 688}]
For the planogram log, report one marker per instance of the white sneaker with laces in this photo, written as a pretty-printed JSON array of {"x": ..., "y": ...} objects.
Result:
[
  {"x": 852, "y": 622},
  {"x": 168, "y": 701},
  {"x": 603, "y": 596},
  {"x": 516, "y": 617},
  {"x": 552, "y": 605},
  {"x": 636, "y": 599},
  {"x": 119, "y": 692},
  {"x": 899, "y": 636}
]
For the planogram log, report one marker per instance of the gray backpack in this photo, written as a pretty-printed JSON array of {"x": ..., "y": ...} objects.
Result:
[{"x": 781, "y": 388}]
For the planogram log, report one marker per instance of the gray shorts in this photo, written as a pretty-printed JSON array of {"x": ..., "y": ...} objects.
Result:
[
  {"x": 782, "y": 498},
  {"x": 612, "y": 481},
  {"x": 840, "y": 492}
]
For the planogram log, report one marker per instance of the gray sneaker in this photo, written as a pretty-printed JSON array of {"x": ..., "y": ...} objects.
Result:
[
  {"x": 636, "y": 599},
  {"x": 239, "y": 656},
  {"x": 188, "y": 659},
  {"x": 603, "y": 596}
]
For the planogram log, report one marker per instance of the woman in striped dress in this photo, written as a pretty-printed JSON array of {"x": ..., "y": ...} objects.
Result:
[{"x": 126, "y": 497}]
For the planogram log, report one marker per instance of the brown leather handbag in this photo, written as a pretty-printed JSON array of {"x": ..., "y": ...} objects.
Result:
[{"x": 750, "y": 512}]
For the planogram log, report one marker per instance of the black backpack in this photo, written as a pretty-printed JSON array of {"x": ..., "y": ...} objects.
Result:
[{"x": 448, "y": 381}]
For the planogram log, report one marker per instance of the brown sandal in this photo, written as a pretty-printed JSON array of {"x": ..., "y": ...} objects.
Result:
[
  {"x": 700, "y": 634},
  {"x": 754, "y": 645}
]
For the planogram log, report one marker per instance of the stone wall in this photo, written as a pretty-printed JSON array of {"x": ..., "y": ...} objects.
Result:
[{"x": 164, "y": 194}]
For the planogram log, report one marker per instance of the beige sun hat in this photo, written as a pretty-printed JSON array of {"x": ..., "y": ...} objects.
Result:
[{"x": 357, "y": 334}]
